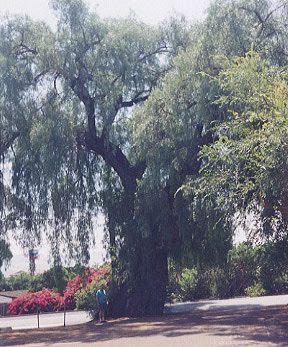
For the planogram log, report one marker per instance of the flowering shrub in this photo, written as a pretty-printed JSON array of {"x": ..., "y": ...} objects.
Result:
[
  {"x": 90, "y": 274},
  {"x": 85, "y": 283},
  {"x": 45, "y": 300},
  {"x": 79, "y": 292}
]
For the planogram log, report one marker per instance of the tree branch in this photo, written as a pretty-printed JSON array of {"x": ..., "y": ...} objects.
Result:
[
  {"x": 81, "y": 91},
  {"x": 262, "y": 21},
  {"x": 136, "y": 100},
  {"x": 159, "y": 50},
  {"x": 114, "y": 157},
  {"x": 122, "y": 104},
  {"x": 6, "y": 143}
]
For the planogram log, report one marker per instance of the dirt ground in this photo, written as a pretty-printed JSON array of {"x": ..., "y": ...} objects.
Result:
[{"x": 262, "y": 327}]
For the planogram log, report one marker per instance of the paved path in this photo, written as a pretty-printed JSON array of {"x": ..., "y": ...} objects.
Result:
[
  {"x": 263, "y": 327},
  {"x": 45, "y": 320},
  {"x": 79, "y": 317},
  {"x": 228, "y": 304}
]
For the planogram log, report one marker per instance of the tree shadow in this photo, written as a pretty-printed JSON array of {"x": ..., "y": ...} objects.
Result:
[{"x": 262, "y": 325}]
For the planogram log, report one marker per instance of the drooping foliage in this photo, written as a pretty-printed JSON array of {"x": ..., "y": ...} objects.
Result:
[
  {"x": 5, "y": 255},
  {"x": 113, "y": 64},
  {"x": 247, "y": 164}
]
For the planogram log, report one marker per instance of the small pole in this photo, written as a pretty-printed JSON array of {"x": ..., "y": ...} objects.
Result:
[
  {"x": 38, "y": 323},
  {"x": 64, "y": 312}
]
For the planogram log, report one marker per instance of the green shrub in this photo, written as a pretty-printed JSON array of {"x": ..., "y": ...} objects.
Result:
[
  {"x": 36, "y": 283},
  {"x": 3, "y": 282},
  {"x": 53, "y": 278},
  {"x": 250, "y": 270},
  {"x": 243, "y": 265},
  {"x": 255, "y": 290},
  {"x": 213, "y": 283},
  {"x": 19, "y": 281},
  {"x": 188, "y": 283},
  {"x": 86, "y": 299},
  {"x": 280, "y": 283},
  {"x": 274, "y": 264},
  {"x": 195, "y": 283}
]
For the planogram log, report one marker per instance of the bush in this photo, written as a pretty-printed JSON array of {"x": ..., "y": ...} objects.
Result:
[
  {"x": 36, "y": 283},
  {"x": 280, "y": 283},
  {"x": 196, "y": 283},
  {"x": 255, "y": 290},
  {"x": 3, "y": 282},
  {"x": 244, "y": 267},
  {"x": 188, "y": 283},
  {"x": 250, "y": 270},
  {"x": 19, "y": 281},
  {"x": 212, "y": 283},
  {"x": 274, "y": 264},
  {"x": 54, "y": 278},
  {"x": 79, "y": 293},
  {"x": 45, "y": 300},
  {"x": 86, "y": 299}
]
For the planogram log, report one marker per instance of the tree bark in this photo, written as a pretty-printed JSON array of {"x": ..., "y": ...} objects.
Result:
[{"x": 143, "y": 265}]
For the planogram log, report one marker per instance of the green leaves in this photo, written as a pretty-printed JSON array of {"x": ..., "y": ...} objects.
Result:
[{"x": 244, "y": 163}]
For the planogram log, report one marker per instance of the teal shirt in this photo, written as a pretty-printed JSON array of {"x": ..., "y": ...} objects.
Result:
[{"x": 101, "y": 296}]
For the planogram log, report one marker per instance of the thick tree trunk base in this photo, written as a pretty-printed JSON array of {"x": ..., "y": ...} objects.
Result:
[{"x": 144, "y": 292}]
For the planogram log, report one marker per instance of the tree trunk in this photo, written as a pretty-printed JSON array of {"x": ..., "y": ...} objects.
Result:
[
  {"x": 143, "y": 262},
  {"x": 152, "y": 280}
]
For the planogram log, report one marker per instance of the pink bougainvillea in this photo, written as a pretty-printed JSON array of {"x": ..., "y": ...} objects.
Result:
[
  {"x": 101, "y": 274},
  {"x": 83, "y": 281},
  {"x": 45, "y": 300}
]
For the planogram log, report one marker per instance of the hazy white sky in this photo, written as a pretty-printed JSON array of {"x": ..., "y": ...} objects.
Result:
[
  {"x": 20, "y": 260},
  {"x": 150, "y": 11}
]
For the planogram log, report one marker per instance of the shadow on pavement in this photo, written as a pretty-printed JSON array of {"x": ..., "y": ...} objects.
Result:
[
  {"x": 263, "y": 325},
  {"x": 208, "y": 306}
]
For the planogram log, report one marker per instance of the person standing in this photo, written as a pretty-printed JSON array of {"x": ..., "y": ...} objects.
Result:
[{"x": 102, "y": 302}]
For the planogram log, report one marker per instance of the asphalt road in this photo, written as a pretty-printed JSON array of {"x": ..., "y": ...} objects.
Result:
[
  {"x": 228, "y": 304},
  {"x": 79, "y": 317},
  {"x": 45, "y": 320},
  {"x": 261, "y": 327}
]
